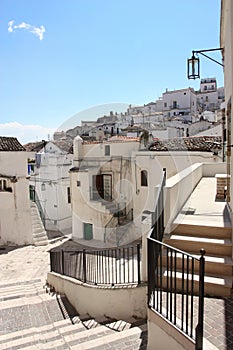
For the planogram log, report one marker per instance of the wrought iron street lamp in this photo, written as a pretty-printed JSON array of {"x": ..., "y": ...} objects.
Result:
[
  {"x": 193, "y": 67},
  {"x": 194, "y": 63}
]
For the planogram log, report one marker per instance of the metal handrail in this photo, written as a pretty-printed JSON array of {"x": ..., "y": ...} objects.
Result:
[
  {"x": 119, "y": 266},
  {"x": 165, "y": 289},
  {"x": 116, "y": 219}
]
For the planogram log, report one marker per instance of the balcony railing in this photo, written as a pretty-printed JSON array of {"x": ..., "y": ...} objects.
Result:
[
  {"x": 174, "y": 106},
  {"x": 120, "y": 266}
]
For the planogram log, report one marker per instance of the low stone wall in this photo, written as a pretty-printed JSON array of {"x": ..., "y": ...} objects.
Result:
[
  {"x": 115, "y": 302},
  {"x": 180, "y": 186},
  {"x": 162, "y": 335},
  {"x": 177, "y": 190}
]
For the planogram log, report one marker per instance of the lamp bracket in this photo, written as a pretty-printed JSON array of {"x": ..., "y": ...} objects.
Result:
[{"x": 209, "y": 50}]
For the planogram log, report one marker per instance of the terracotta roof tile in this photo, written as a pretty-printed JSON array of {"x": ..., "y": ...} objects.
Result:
[
  {"x": 10, "y": 144},
  {"x": 35, "y": 146},
  {"x": 199, "y": 144}
]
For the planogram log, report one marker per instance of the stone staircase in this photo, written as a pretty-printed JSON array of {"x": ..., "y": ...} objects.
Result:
[
  {"x": 122, "y": 230},
  {"x": 38, "y": 231},
  {"x": 110, "y": 206},
  {"x": 124, "y": 234},
  {"x": 34, "y": 317},
  {"x": 217, "y": 243}
]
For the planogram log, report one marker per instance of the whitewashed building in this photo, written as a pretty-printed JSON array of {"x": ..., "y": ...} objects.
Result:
[
  {"x": 184, "y": 102},
  {"x": 15, "y": 214},
  {"x": 49, "y": 181},
  {"x": 113, "y": 183}
]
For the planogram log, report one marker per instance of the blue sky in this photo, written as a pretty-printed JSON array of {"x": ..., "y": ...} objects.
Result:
[{"x": 60, "y": 57}]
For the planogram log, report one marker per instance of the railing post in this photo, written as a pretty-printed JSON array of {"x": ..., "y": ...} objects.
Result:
[
  {"x": 84, "y": 267},
  {"x": 150, "y": 269},
  {"x": 138, "y": 263},
  {"x": 51, "y": 261},
  {"x": 62, "y": 262},
  {"x": 200, "y": 326}
]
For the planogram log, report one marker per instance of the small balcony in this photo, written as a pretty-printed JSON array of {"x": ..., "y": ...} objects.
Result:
[{"x": 174, "y": 106}]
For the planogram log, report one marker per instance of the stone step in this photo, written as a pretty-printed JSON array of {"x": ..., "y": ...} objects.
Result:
[
  {"x": 41, "y": 242},
  {"x": 38, "y": 227},
  {"x": 37, "y": 284},
  {"x": 23, "y": 337},
  {"x": 26, "y": 300},
  {"x": 40, "y": 237},
  {"x": 34, "y": 211},
  {"x": 220, "y": 265},
  {"x": 76, "y": 339},
  {"x": 39, "y": 234},
  {"x": 213, "y": 247},
  {"x": 61, "y": 334},
  {"x": 11, "y": 294},
  {"x": 120, "y": 340},
  {"x": 39, "y": 340},
  {"x": 215, "y": 285},
  {"x": 202, "y": 231}
]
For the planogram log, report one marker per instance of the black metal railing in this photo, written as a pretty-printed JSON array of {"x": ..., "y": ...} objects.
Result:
[
  {"x": 119, "y": 218},
  {"x": 176, "y": 288},
  {"x": 111, "y": 267},
  {"x": 175, "y": 280},
  {"x": 158, "y": 214}
]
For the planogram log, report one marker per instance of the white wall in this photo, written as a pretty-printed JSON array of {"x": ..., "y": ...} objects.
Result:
[
  {"x": 185, "y": 99},
  {"x": 15, "y": 215},
  {"x": 162, "y": 335},
  {"x": 51, "y": 185},
  {"x": 119, "y": 303},
  {"x": 126, "y": 179},
  {"x": 121, "y": 148}
]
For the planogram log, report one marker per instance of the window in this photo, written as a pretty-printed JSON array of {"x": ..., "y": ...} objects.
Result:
[
  {"x": 205, "y": 87},
  {"x": 144, "y": 178},
  {"x": 3, "y": 185},
  {"x": 206, "y": 98},
  {"x": 107, "y": 150},
  {"x": 174, "y": 104},
  {"x": 68, "y": 195},
  {"x": 165, "y": 104}
]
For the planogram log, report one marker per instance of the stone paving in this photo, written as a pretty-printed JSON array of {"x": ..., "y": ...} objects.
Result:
[
  {"x": 30, "y": 318},
  {"x": 25, "y": 308}
]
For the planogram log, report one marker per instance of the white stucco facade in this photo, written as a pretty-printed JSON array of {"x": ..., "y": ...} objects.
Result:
[
  {"x": 186, "y": 102},
  {"x": 125, "y": 178},
  {"x": 15, "y": 215},
  {"x": 51, "y": 183},
  {"x": 226, "y": 42}
]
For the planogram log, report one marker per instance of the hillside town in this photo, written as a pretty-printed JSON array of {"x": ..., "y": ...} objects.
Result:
[{"x": 117, "y": 233}]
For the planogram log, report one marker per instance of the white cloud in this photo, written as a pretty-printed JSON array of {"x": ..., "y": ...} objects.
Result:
[
  {"x": 10, "y": 26},
  {"x": 22, "y": 25},
  {"x": 26, "y": 133},
  {"x": 38, "y": 31}
]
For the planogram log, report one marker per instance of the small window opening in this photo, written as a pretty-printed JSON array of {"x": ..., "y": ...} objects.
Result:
[
  {"x": 68, "y": 195},
  {"x": 144, "y": 178},
  {"x": 107, "y": 150}
]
